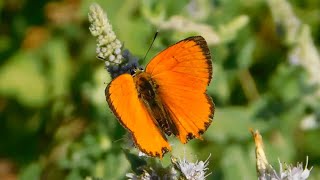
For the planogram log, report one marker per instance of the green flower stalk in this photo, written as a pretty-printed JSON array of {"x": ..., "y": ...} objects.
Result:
[{"x": 283, "y": 15}]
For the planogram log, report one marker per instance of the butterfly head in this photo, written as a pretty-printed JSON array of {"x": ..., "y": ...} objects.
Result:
[{"x": 136, "y": 70}]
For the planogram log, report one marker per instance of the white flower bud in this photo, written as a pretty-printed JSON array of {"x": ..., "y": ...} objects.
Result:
[
  {"x": 98, "y": 50},
  {"x": 112, "y": 58},
  {"x": 117, "y": 51},
  {"x": 119, "y": 56},
  {"x": 101, "y": 55}
]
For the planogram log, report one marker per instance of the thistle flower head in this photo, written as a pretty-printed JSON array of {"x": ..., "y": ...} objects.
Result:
[
  {"x": 150, "y": 173},
  {"x": 154, "y": 173},
  {"x": 298, "y": 172},
  {"x": 189, "y": 170}
]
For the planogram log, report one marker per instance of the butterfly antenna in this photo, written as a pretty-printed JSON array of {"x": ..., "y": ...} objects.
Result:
[
  {"x": 154, "y": 38},
  {"x": 118, "y": 140}
]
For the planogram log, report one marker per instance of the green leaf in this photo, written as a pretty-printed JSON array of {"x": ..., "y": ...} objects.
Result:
[
  {"x": 32, "y": 171},
  {"x": 219, "y": 85},
  {"x": 21, "y": 78},
  {"x": 236, "y": 164},
  {"x": 60, "y": 67},
  {"x": 233, "y": 123}
]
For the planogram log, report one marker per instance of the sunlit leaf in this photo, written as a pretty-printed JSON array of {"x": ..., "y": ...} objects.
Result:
[{"x": 21, "y": 78}]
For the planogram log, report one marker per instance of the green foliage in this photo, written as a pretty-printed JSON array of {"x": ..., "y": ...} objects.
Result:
[{"x": 56, "y": 124}]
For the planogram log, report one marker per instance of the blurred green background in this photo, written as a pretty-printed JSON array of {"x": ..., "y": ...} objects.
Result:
[{"x": 56, "y": 124}]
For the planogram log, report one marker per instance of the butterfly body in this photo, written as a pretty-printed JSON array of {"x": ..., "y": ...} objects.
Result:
[
  {"x": 167, "y": 98},
  {"x": 148, "y": 94}
]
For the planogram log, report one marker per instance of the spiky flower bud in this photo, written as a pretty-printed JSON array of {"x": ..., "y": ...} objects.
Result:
[{"x": 108, "y": 46}]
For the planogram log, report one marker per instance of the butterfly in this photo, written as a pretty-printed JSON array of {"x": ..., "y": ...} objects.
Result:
[{"x": 167, "y": 98}]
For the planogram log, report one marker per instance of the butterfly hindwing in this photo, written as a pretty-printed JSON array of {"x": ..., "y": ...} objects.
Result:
[
  {"x": 182, "y": 73},
  {"x": 122, "y": 97}
]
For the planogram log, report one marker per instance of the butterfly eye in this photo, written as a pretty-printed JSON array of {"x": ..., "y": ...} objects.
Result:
[
  {"x": 132, "y": 71},
  {"x": 134, "y": 66}
]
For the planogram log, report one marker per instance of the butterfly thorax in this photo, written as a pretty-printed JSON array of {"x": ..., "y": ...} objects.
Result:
[{"x": 148, "y": 95}]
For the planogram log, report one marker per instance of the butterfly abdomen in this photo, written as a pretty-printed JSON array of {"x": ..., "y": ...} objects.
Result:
[{"x": 147, "y": 93}]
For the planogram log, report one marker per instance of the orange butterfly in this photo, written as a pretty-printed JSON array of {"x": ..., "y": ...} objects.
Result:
[{"x": 168, "y": 98}]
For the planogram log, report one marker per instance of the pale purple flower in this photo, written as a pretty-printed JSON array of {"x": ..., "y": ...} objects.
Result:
[{"x": 192, "y": 171}]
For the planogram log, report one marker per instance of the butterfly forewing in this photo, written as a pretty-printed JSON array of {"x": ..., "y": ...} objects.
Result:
[
  {"x": 122, "y": 97},
  {"x": 182, "y": 73}
]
